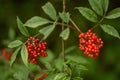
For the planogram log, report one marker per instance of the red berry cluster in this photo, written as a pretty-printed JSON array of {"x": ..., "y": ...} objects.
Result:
[
  {"x": 35, "y": 49},
  {"x": 90, "y": 44},
  {"x": 6, "y": 54},
  {"x": 43, "y": 76}
]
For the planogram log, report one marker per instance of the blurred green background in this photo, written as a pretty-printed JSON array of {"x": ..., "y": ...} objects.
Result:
[{"x": 105, "y": 67}]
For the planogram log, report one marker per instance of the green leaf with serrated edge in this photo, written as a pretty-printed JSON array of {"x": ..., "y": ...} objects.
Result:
[
  {"x": 14, "y": 56},
  {"x": 50, "y": 10},
  {"x": 46, "y": 31},
  {"x": 96, "y": 6},
  {"x": 59, "y": 76},
  {"x": 65, "y": 34},
  {"x": 22, "y": 28},
  {"x": 15, "y": 43},
  {"x": 88, "y": 14},
  {"x": 115, "y": 13},
  {"x": 110, "y": 30},
  {"x": 65, "y": 17},
  {"x": 36, "y": 21},
  {"x": 104, "y": 4},
  {"x": 24, "y": 55}
]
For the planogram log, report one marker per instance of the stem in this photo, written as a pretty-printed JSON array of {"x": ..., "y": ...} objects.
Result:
[
  {"x": 98, "y": 22},
  {"x": 75, "y": 26},
  {"x": 67, "y": 25},
  {"x": 63, "y": 42}
]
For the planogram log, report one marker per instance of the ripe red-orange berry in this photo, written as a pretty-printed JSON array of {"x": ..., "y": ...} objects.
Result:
[
  {"x": 90, "y": 44},
  {"x": 43, "y": 76},
  {"x": 35, "y": 49},
  {"x": 6, "y": 54}
]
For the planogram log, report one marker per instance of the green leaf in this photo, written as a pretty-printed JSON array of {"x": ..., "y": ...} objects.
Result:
[
  {"x": 77, "y": 78},
  {"x": 65, "y": 17},
  {"x": 77, "y": 59},
  {"x": 65, "y": 34},
  {"x": 115, "y": 13},
  {"x": 22, "y": 28},
  {"x": 68, "y": 69},
  {"x": 48, "y": 66},
  {"x": 70, "y": 49},
  {"x": 24, "y": 55},
  {"x": 59, "y": 76},
  {"x": 96, "y": 6},
  {"x": 110, "y": 30},
  {"x": 82, "y": 67},
  {"x": 36, "y": 21},
  {"x": 49, "y": 58},
  {"x": 15, "y": 43},
  {"x": 59, "y": 64},
  {"x": 46, "y": 31},
  {"x": 88, "y": 14},
  {"x": 14, "y": 56},
  {"x": 34, "y": 67},
  {"x": 50, "y": 10},
  {"x": 105, "y": 4}
]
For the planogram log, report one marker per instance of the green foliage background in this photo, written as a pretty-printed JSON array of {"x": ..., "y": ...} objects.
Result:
[{"x": 105, "y": 67}]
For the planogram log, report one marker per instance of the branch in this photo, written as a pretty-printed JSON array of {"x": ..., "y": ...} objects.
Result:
[
  {"x": 98, "y": 22},
  {"x": 75, "y": 26},
  {"x": 63, "y": 43}
]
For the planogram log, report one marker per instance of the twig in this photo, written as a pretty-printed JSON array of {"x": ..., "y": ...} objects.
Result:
[
  {"x": 98, "y": 22},
  {"x": 75, "y": 26},
  {"x": 63, "y": 43}
]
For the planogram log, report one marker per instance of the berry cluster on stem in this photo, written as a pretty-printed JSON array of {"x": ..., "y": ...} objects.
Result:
[
  {"x": 35, "y": 49},
  {"x": 90, "y": 44}
]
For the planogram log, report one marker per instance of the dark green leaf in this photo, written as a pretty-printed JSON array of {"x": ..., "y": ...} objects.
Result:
[
  {"x": 24, "y": 55},
  {"x": 96, "y": 6},
  {"x": 105, "y": 4},
  {"x": 36, "y": 21},
  {"x": 15, "y": 43},
  {"x": 14, "y": 56},
  {"x": 65, "y": 17},
  {"x": 65, "y": 34},
  {"x": 110, "y": 30},
  {"x": 46, "y": 31},
  {"x": 115, "y": 13},
  {"x": 22, "y": 28},
  {"x": 50, "y": 10},
  {"x": 88, "y": 14}
]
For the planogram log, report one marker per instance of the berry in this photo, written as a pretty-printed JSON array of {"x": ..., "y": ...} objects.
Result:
[
  {"x": 6, "y": 54},
  {"x": 35, "y": 49},
  {"x": 43, "y": 76},
  {"x": 90, "y": 44}
]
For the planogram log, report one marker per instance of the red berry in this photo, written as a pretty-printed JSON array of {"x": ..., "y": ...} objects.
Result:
[
  {"x": 90, "y": 44},
  {"x": 35, "y": 49}
]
